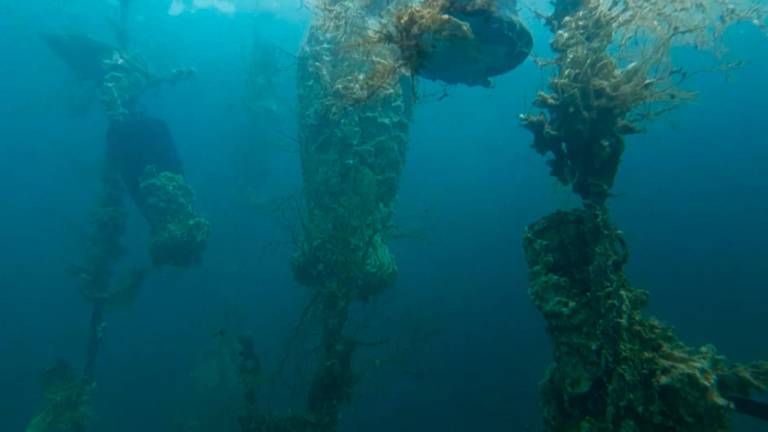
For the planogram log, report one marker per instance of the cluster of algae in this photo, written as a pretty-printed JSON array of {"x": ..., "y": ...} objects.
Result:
[
  {"x": 353, "y": 140},
  {"x": 352, "y": 156},
  {"x": 67, "y": 396},
  {"x": 614, "y": 73},
  {"x": 434, "y": 39},
  {"x": 178, "y": 235},
  {"x": 67, "y": 402},
  {"x": 178, "y": 238},
  {"x": 108, "y": 224},
  {"x": 614, "y": 368}
]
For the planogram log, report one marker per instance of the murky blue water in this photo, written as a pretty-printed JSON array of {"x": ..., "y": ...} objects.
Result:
[{"x": 466, "y": 347}]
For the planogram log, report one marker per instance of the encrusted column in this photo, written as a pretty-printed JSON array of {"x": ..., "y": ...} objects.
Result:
[
  {"x": 353, "y": 125},
  {"x": 614, "y": 368}
]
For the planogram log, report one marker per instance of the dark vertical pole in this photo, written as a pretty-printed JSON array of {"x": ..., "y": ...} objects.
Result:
[
  {"x": 332, "y": 384},
  {"x": 94, "y": 339}
]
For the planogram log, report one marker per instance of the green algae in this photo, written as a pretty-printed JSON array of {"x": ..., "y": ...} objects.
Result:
[
  {"x": 104, "y": 249},
  {"x": 614, "y": 73},
  {"x": 616, "y": 369},
  {"x": 354, "y": 116},
  {"x": 127, "y": 78},
  {"x": 67, "y": 404},
  {"x": 353, "y": 139},
  {"x": 107, "y": 227},
  {"x": 178, "y": 235}
]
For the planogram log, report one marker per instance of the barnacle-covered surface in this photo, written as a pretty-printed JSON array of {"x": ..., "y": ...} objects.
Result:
[
  {"x": 614, "y": 72},
  {"x": 67, "y": 402},
  {"x": 615, "y": 369},
  {"x": 179, "y": 235}
]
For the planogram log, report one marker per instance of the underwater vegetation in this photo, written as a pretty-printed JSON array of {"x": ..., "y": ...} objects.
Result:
[
  {"x": 67, "y": 395},
  {"x": 140, "y": 149},
  {"x": 614, "y": 73},
  {"x": 108, "y": 224},
  {"x": 67, "y": 401},
  {"x": 614, "y": 368},
  {"x": 179, "y": 236},
  {"x": 355, "y": 83},
  {"x": 450, "y": 41},
  {"x": 352, "y": 156},
  {"x": 355, "y": 89},
  {"x": 141, "y": 163}
]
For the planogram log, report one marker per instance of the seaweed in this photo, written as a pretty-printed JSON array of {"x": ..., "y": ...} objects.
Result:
[
  {"x": 614, "y": 73},
  {"x": 179, "y": 235},
  {"x": 353, "y": 139},
  {"x": 352, "y": 156},
  {"x": 67, "y": 396},
  {"x": 67, "y": 401},
  {"x": 614, "y": 368}
]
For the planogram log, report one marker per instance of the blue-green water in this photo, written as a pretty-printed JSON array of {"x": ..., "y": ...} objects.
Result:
[{"x": 464, "y": 347}]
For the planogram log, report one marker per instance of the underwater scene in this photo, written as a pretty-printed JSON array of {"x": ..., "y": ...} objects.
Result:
[{"x": 384, "y": 215}]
